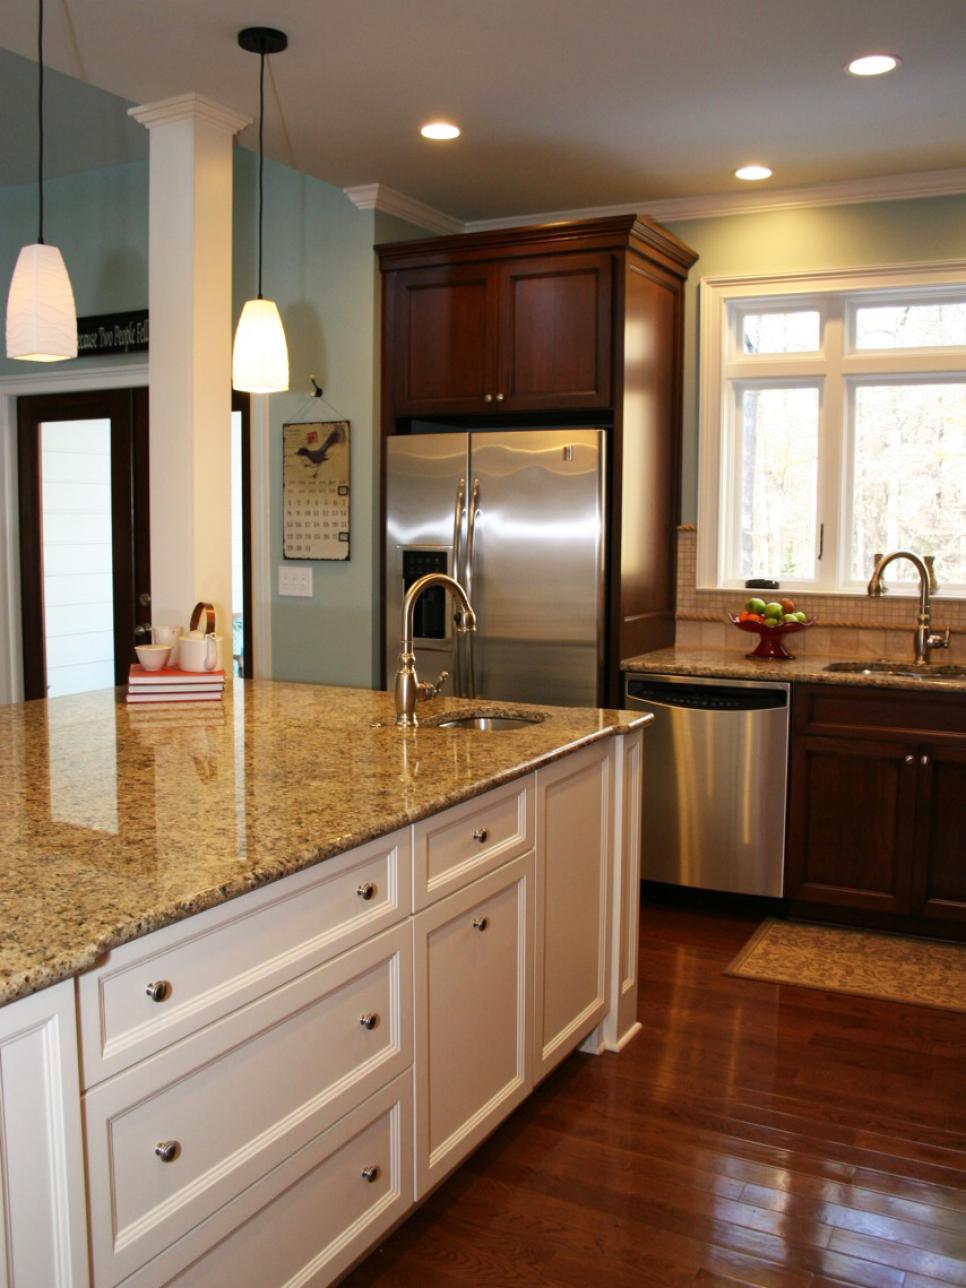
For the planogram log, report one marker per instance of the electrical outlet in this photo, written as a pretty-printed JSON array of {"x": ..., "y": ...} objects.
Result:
[{"x": 294, "y": 581}]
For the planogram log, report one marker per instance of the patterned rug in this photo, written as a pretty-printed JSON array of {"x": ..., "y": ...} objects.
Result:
[{"x": 897, "y": 968}]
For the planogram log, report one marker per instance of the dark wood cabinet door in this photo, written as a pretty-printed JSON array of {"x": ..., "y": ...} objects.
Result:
[
  {"x": 441, "y": 339},
  {"x": 555, "y": 332},
  {"x": 850, "y": 824},
  {"x": 939, "y": 883}
]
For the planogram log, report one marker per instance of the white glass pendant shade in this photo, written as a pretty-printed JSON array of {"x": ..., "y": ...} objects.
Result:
[
  {"x": 41, "y": 314},
  {"x": 259, "y": 362}
]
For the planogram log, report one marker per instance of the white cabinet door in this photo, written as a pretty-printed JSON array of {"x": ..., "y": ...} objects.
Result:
[
  {"x": 43, "y": 1235},
  {"x": 573, "y": 915},
  {"x": 474, "y": 979}
]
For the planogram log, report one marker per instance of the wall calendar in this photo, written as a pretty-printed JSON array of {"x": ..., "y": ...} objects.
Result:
[{"x": 315, "y": 490}]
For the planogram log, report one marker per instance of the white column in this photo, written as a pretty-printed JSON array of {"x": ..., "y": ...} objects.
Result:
[{"x": 189, "y": 298}]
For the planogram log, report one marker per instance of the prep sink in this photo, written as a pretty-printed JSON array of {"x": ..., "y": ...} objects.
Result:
[
  {"x": 899, "y": 668},
  {"x": 487, "y": 724}
]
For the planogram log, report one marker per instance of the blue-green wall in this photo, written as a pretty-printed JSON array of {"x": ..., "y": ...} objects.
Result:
[
  {"x": 826, "y": 237},
  {"x": 321, "y": 270},
  {"x": 99, "y": 219}
]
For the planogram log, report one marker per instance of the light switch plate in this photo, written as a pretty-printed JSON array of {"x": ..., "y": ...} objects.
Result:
[{"x": 294, "y": 581}]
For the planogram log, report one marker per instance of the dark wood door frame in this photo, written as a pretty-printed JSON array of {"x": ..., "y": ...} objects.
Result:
[{"x": 127, "y": 409}]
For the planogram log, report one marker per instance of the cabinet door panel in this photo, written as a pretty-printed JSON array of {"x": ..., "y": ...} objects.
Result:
[
  {"x": 442, "y": 338},
  {"x": 574, "y": 811},
  {"x": 940, "y": 870},
  {"x": 474, "y": 977},
  {"x": 555, "y": 332},
  {"x": 850, "y": 823}
]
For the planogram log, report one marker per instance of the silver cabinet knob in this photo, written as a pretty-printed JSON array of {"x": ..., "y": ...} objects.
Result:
[
  {"x": 487, "y": 397},
  {"x": 370, "y": 1173},
  {"x": 158, "y": 990},
  {"x": 924, "y": 761},
  {"x": 167, "y": 1150},
  {"x": 909, "y": 760},
  {"x": 480, "y": 834},
  {"x": 480, "y": 923},
  {"x": 369, "y": 1020},
  {"x": 499, "y": 397},
  {"x": 366, "y": 890}
]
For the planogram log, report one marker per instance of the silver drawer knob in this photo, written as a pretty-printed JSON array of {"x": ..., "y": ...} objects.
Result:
[
  {"x": 499, "y": 397},
  {"x": 480, "y": 835},
  {"x": 480, "y": 923},
  {"x": 158, "y": 990},
  {"x": 370, "y": 1173},
  {"x": 369, "y": 1021},
  {"x": 366, "y": 890},
  {"x": 487, "y": 397},
  {"x": 168, "y": 1150},
  {"x": 909, "y": 760}
]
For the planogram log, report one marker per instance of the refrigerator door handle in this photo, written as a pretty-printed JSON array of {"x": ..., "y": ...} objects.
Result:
[
  {"x": 459, "y": 510},
  {"x": 468, "y": 679}
]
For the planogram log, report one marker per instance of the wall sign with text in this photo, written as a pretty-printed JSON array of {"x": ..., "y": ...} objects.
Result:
[
  {"x": 113, "y": 333},
  {"x": 315, "y": 490}
]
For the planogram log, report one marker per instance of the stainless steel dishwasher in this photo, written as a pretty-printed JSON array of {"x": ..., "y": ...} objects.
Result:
[{"x": 715, "y": 779}]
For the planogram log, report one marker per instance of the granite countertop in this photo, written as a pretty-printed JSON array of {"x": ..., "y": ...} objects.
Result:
[
  {"x": 728, "y": 663},
  {"x": 118, "y": 820}
]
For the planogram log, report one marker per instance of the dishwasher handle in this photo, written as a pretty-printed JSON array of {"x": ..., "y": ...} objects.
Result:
[{"x": 706, "y": 697}]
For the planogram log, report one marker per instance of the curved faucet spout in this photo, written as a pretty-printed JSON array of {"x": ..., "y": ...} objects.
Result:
[
  {"x": 925, "y": 639},
  {"x": 408, "y": 688}
]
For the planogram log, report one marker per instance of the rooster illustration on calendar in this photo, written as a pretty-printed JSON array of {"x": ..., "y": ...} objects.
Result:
[{"x": 315, "y": 485}]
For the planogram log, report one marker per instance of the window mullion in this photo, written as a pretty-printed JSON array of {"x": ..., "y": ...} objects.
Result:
[{"x": 830, "y": 449}]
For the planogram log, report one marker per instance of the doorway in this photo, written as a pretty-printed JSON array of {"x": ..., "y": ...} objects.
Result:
[{"x": 85, "y": 537}]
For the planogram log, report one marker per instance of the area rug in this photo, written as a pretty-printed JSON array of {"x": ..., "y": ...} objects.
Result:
[{"x": 896, "y": 968}]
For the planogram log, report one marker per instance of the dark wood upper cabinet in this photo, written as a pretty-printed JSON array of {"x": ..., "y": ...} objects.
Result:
[
  {"x": 574, "y": 321},
  {"x": 875, "y": 821}
]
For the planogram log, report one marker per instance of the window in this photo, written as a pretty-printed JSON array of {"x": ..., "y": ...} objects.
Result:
[{"x": 833, "y": 428}]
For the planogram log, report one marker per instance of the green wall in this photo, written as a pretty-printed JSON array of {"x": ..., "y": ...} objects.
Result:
[
  {"x": 99, "y": 220},
  {"x": 321, "y": 269},
  {"x": 826, "y": 237}
]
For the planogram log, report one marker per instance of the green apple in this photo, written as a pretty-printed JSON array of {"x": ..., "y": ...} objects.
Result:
[
  {"x": 790, "y": 619},
  {"x": 774, "y": 609},
  {"x": 800, "y": 616},
  {"x": 755, "y": 606}
]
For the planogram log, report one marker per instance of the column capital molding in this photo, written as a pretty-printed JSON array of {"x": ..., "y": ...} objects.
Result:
[{"x": 189, "y": 107}]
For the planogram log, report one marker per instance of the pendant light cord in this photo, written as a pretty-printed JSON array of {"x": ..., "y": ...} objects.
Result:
[
  {"x": 40, "y": 117},
  {"x": 261, "y": 161}
]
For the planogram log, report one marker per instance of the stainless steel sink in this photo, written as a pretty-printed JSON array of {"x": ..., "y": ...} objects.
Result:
[
  {"x": 487, "y": 724},
  {"x": 904, "y": 669}
]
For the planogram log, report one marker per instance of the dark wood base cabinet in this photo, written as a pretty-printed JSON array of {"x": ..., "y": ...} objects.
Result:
[
  {"x": 877, "y": 809},
  {"x": 561, "y": 324}
]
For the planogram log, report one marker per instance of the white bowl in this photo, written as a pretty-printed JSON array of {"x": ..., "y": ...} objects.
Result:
[{"x": 153, "y": 656}]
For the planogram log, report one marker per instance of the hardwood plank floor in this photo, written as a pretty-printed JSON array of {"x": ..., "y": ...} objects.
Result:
[{"x": 752, "y": 1134}]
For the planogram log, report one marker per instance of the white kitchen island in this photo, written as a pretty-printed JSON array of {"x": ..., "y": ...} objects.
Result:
[{"x": 290, "y": 965}]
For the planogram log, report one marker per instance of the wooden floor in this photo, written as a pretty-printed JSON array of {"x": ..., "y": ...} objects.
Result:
[{"x": 752, "y": 1134}]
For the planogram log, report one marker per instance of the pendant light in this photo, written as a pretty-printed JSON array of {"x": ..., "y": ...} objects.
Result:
[
  {"x": 41, "y": 315},
  {"x": 259, "y": 363}
]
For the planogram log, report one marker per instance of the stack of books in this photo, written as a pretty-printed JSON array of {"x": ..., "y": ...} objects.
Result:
[{"x": 174, "y": 685}]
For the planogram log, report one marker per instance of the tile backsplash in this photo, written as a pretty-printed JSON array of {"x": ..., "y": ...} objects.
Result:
[{"x": 847, "y": 626}]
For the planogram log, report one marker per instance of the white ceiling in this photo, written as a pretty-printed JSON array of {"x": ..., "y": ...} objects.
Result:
[{"x": 564, "y": 103}]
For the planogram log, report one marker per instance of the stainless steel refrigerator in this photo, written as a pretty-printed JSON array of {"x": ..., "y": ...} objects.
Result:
[{"x": 516, "y": 516}]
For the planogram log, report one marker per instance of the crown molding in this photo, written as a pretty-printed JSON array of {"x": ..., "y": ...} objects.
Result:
[
  {"x": 844, "y": 192},
  {"x": 189, "y": 107},
  {"x": 376, "y": 196}
]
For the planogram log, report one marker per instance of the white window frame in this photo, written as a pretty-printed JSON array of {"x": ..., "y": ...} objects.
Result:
[{"x": 836, "y": 293}]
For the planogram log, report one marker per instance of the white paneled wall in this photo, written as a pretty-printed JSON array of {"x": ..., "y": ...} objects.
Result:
[{"x": 78, "y": 557}]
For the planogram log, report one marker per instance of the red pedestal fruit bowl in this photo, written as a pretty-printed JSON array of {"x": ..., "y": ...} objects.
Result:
[{"x": 771, "y": 638}]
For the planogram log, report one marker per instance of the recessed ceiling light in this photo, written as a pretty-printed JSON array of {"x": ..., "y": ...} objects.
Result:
[
  {"x": 752, "y": 172},
  {"x": 873, "y": 64},
  {"x": 440, "y": 130}
]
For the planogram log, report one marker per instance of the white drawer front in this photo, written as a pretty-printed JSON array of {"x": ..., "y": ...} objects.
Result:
[
  {"x": 239, "y": 1097},
  {"x": 312, "y": 1216},
  {"x": 455, "y": 847},
  {"x": 214, "y": 962}
]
